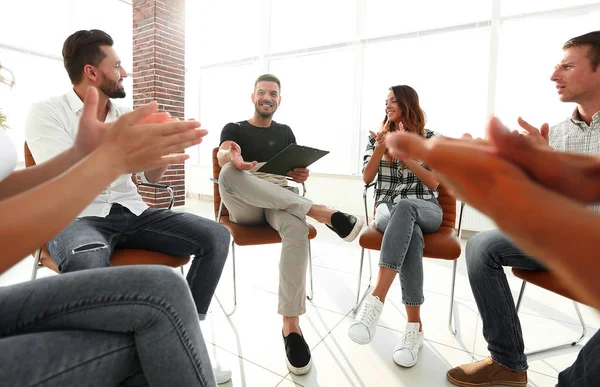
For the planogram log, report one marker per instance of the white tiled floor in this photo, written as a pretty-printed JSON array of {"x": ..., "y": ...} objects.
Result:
[{"x": 250, "y": 341}]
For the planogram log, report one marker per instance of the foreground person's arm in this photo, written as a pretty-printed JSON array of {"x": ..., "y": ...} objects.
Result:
[{"x": 34, "y": 216}]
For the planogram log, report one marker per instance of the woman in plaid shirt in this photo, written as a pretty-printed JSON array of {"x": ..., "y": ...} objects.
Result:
[{"x": 406, "y": 207}]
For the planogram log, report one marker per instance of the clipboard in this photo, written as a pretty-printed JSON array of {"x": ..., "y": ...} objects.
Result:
[{"x": 292, "y": 156}]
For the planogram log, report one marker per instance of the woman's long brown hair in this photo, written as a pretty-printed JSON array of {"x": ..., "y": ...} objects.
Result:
[{"x": 412, "y": 116}]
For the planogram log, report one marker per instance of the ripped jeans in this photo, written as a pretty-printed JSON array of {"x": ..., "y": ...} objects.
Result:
[{"x": 89, "y": 242}]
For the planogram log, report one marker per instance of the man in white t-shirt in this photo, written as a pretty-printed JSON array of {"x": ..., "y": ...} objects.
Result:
[{"x": 118, "y": 217}]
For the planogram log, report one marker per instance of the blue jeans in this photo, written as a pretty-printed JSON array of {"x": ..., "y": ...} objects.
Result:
[
  {"x": 89, "y": 242},
  {"x": 487, "y": 253},
  {"x": 403, "y": 225},
  {"x": 122, "y": 326}
]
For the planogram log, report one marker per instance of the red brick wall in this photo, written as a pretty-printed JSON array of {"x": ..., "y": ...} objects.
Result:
[{"x": 159, "y": 75}]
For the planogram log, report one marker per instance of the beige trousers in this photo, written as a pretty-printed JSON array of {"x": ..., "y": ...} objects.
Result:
[{"x": 252, "y": 201}]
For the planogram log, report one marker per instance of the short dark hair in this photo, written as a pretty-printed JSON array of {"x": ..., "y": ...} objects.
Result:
[
  {"x": 83, "y": 48},
  {"x": 268, "y": 78},
  {"x": 590, "y": 40}
]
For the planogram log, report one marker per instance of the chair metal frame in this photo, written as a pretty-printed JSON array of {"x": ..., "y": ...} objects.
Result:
[
  {"x": 359, "y": 298},
  {"x": 557, "y": 346}
]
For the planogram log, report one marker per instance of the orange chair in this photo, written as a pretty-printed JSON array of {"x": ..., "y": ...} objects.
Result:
[
  {"x": 551, "y": 282},
  {"x": 249, "y": 235},
  {"x": 122, "y": 257},
  {"x": 443, "y": 244}
]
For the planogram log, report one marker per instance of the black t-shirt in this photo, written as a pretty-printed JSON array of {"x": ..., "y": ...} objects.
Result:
[{"x": 258, "y": 144}]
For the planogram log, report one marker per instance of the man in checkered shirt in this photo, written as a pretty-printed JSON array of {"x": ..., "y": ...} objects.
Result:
[{"x": 577, "y": 79}]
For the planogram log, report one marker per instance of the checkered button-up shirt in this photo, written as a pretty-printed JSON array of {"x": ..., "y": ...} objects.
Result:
[
  {"x": 394, "y": 182},
  {"x": 574, "y": 135}
]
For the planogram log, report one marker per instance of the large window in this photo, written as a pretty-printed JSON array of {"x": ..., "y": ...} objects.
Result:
[
  {"x": 391, "y": 17},
  {"x": 446, "y": 71},
  {"x": 520, "y": 7},
  {"x": 224, "y": 97},
  {"x": 529, "y": 48},
  {"x": 311, "y": 23},
  {"x": 337, "y": 59},
  {"x": 317, "y": 104},
  {"x": 32, "y": 33}
]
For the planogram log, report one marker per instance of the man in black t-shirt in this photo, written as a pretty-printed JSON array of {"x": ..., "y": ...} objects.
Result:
[{"x": 254, "y": 198}]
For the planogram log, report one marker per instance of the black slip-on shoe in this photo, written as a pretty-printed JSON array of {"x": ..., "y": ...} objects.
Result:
[{"x": 297, "y": 354}]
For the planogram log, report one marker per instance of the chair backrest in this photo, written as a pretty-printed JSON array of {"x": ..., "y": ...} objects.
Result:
[
  {"x": 448, "y": 203},
  {"x": 29, "y": 161},
  {"x": 216, "y": 193}
]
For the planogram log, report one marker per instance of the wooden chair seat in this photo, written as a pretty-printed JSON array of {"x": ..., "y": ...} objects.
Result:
[
  {"x": 548, "y": 281},
  {"x": 256, "y": 235},
  {"x": 443, "y": 244},
  {"x": 125, "y": 257}
]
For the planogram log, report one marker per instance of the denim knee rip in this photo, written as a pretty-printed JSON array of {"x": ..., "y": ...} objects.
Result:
[{"x": 89, "y": 247}]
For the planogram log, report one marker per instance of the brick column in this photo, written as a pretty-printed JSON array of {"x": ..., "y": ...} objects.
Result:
[{"x": 159, "y": 75}]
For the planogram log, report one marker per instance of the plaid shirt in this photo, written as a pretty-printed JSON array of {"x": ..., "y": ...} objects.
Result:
[
  {"x": 574, "y": 135},
  {"x": 395, "y": 183}
]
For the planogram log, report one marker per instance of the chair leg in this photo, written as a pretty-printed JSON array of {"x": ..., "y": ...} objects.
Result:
[
  {"x": 234, "y": 285},
  {"x": 36, "y": 263},
  {"x": 359, "y": 299},
  {"x": 182, "y": 273},
  {"x": 310, "y": 271},
  {"x": 452, "y": 327},
  {"x": 521, "y": 292},
  {"x": 569, "y": 343},
  {"x": 558, "y": 346}
]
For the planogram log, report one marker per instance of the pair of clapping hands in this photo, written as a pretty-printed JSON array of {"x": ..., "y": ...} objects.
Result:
[
  {"x": 489, "y": 173},
  {"x": 141, "y": 140}
]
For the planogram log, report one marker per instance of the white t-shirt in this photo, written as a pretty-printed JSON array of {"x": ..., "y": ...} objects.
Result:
[
  {"x": 8, "y": 155},
  {"x": 51, "y": 128}
]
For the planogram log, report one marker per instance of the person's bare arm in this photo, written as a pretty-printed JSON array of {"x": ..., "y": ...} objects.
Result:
[
  {"x": 45, "y": 210},
  {"x": 223, "y": 153},
  {"x": 25, "y": 179},
  {"x": 32, "y": 217}
]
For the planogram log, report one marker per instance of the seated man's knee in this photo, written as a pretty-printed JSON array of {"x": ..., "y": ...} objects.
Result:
[
  {"x": 157, "y": 281},
  {"x": 228, "y": 175},
  {"x": 482, "y": 245},
  {"x": 292, "y": 226},
  {"x": 160, "y": 277},
  {"x": 220, "y": 240}
]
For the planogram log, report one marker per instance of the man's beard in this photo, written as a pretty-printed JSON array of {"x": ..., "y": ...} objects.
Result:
[
  {"x": 112, "y": 90},
  {"x": 263, "y": 114}
]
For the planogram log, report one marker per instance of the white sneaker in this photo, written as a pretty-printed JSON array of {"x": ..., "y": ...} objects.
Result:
[
  {"x": 363, "y": 328},
  {"x": 222, "y": 373},
  {"x": 406, "y": 351}
]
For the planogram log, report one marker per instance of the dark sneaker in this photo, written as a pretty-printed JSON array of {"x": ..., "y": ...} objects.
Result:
[
  {"x": 346, "y": 226},
  {"x": 297, "y": 354}
]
